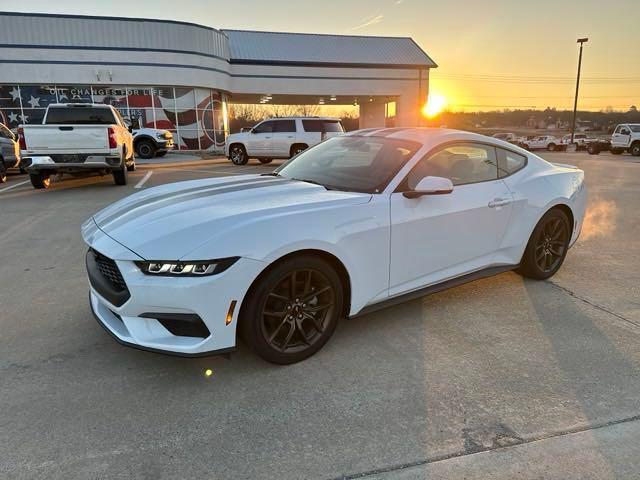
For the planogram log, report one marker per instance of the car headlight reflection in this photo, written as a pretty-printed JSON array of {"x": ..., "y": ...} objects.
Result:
[{"x": 186, "y": 269}]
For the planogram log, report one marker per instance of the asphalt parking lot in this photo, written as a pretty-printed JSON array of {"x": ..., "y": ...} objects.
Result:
[{"x": 500, "y": 378}]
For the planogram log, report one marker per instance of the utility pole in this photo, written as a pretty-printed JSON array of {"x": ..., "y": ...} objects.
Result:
[{"x": 581, "y": 41}]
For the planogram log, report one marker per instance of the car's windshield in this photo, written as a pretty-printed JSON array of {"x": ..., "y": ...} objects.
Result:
[{"x": 351, "y": 163}]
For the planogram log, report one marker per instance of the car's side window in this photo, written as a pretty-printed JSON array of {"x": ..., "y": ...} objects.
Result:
[
  {"x": 264, "y": 127},
  {"x": 462, "y": 163},
  {"x": 509, "y": 162},
  {"x": 284, "y": 126},
  {"x": 618, "y": 129}
]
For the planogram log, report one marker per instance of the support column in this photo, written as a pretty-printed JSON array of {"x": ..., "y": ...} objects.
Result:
[{"x": 372, "y": 114}]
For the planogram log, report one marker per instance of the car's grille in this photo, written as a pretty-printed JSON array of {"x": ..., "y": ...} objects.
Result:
[{"x": 110, "y": 271}]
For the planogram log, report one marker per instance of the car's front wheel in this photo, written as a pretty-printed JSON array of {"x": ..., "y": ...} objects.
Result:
[
  {"x": 551, "y": 147},
  {"x": 145, "y": 149},
  {"x": 547, "y": 246},
  {"x": 292, "y": 310},
  {"x": 238, "y": 155}
]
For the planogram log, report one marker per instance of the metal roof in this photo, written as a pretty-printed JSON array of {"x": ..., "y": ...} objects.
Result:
[{"x": 274, "y": 48}]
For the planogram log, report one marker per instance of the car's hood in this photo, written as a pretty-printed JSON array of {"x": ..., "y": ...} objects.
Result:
[{"x": 168, "y": 222}]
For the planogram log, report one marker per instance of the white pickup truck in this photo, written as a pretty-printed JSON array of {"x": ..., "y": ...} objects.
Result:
[
  {"x": 77, "y": 138},
  {"x": 626, "y": 138}
]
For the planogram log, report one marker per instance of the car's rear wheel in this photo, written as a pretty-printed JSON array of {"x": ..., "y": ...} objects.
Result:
[
  {"x": 298, "y": 148},
  {"x": 145, "y": 149},
  {"x": 120, "y": 175},
  {"x": 551, "y": 147},
  {"x": 238, "y": 155},
  {"x": 547, "y": 247},
  {"x": 292, "y": 310},
  {"x": 40, "y": 180},
  {"x": 265, "y": 160},
  {"x": 593, "y": 149}
]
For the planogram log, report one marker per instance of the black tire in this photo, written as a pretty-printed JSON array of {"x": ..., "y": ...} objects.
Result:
[
  {"x": 161, "y": 153},
  {"x": 635, "y": 149},
  {"x": 40, "y": 180},
  {"x": 551, "y": 147},
  {"x": 264, "y": 161},
  {"x": 593, "y": 149},
  {"x": 120, "y": 176},
  {"x": 547, "y": 246},
  {"x": 238, "y": 154},
  {"x": 3, "y": 172},
  {"x": 285, "y": 318},
  {"x": 145, "y": 149},
  {"x": 296, "y": 149}
]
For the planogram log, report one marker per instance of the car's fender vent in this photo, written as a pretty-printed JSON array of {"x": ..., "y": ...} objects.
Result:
[{"x": 110, "y": 271}]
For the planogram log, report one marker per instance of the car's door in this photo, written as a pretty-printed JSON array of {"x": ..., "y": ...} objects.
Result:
[
  {"x": 259, "y": 139},
  {"x": 621, "y": 136},
  {"x": 283, "y": 137},
  {"x": 438, "y": 237}
]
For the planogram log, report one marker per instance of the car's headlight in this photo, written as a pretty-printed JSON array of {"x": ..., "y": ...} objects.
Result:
[{"x": 186, "y": 269}]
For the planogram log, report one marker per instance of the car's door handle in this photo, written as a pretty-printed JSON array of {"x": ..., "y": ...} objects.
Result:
[{"x": 499, "y": 202}]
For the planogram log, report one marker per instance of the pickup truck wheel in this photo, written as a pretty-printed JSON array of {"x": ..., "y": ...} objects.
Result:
[
  {"x": 40, "y": 180},
  {"x": 238, "y": 155},
  {"x": 145, "y": 149},
  {"x": 635, "y": 149},
  {"x": 551, "y": 147},
  {"x": 593, "y": 149},
  {"x": 120, "y": 176},
  {"x": 265, "y": 160}
]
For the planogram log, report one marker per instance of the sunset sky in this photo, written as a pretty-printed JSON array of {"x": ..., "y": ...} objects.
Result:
[{"x": 492, "y": 54}]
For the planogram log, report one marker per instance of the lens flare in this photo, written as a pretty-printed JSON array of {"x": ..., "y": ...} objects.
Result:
[{"x": 436, "y": 103}]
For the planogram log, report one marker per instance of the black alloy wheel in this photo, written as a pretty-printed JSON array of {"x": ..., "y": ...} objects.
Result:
[
  {"x": 238, "y": 155},
  {"x": 293, "y": 311},
  {"x": 547, "y": 247}
]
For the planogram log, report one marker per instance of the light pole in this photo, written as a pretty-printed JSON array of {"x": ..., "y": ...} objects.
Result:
[{"x": 581, "y": 41}]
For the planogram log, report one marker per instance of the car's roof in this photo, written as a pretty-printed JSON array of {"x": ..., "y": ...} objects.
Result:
[
  {"x": 424, "y": 135},
  {"x": 304, "y": 118}
]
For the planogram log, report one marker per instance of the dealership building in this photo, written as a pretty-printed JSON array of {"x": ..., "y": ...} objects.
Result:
[{"x": 182, "y": 76}]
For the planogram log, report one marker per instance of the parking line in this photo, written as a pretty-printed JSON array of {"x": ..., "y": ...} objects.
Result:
[
  {"x": 143, "y": 180},
  {"x": 13, "y": 186}
]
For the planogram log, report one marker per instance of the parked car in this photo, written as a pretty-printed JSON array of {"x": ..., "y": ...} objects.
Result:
[
  {"x": 507, "y": 137},
  {"x": 580, "y": 140},
  {"x": 356, "y": 223},
  {"x": 76, "y": 138},
  {"x": 280, "y": 138},
  {"x": 626, "y": 138},
  {"x": 9, "y": 152},
  {"x": 150, "y": 142},
  {"x": 543, "y": 142}
]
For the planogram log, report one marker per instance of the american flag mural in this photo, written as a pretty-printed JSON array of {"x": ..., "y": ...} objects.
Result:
[{"x": 195, "y": 116}]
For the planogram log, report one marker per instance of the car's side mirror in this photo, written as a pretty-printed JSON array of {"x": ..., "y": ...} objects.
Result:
[{"x": 430, "y": 186}]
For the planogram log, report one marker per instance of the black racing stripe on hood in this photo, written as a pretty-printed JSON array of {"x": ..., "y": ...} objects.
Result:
[
  {"x": 144, "y": 200},
  {"x": 154, "y": 203}
]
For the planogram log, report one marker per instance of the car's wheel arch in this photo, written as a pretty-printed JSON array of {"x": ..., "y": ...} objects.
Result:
[{"x": 330, "y": 258}]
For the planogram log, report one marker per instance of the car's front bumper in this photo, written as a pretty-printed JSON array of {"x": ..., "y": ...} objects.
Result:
[{"x": 141, "y": 321}]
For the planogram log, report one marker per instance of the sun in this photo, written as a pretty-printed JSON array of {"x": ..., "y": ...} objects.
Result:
[{"x": 436, "y": 103}]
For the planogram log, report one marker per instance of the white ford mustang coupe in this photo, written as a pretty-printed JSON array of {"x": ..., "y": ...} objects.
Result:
[{"x": 351, "y": 225}]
